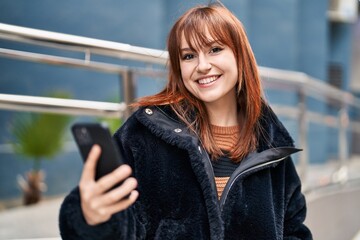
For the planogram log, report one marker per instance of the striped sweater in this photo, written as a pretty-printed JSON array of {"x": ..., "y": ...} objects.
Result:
[{"x": 225, "y": 138}]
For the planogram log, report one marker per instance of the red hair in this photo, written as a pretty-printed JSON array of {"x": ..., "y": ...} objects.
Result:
[{"x": 227, "y": 29}]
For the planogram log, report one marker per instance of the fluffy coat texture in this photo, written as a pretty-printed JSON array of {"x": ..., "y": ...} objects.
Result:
[{"x": 178, "y": 198}]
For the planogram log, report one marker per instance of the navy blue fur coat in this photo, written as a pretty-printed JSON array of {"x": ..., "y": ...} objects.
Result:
[{"x": 178, "y": 198}]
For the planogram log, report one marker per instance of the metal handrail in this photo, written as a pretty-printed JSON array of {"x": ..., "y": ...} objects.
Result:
[
  {"x": 301, "y": 83},
  {"x": 61, "y": 106},
  {"x": 83, "y": 44},
  {"x": 313, "y": 87}
]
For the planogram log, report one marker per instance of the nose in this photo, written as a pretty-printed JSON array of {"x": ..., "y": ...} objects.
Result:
[{"x": 203, "y": 63}]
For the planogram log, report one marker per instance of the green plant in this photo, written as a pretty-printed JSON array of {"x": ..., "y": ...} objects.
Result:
[{"x": 38, "y": 137}]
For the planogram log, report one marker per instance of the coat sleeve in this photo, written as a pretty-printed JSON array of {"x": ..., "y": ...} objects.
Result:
[
  {"x": 122, "y": 225},
  {"x": 294, "y": 227},
  {"x": 126, "y": 224}
]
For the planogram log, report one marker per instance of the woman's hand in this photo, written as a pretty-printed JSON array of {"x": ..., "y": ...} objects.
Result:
[{"x": 97, "y": 202}]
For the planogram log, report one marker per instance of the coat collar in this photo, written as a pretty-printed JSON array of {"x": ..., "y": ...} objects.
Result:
[
  {"x": 272, "y": 133},
  {"x": 164, "y": 123}
]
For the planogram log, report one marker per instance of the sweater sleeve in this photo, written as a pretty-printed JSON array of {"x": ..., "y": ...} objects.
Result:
[
  {"x": 122, "y": 225},
  {"x": 294, "y": 227}
]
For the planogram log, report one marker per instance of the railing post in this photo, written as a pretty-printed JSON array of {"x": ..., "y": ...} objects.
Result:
[
  {"x": 303, "y": 135},
  {"x": 128, "y": 91},
  {"x": 343, "y": 142},
  {"x": 342, "y": 174}
]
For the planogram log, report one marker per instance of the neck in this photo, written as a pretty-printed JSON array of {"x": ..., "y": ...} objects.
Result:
[{"x": 224, "y": 113}]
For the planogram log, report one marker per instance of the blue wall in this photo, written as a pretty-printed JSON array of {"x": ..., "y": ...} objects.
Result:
[
  {"x": 292, "y": 35},
  {"x": 312, "y": 60}
]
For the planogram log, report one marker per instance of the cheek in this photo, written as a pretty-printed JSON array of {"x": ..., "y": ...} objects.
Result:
[
  {"x": 186, "y": 71},
  {"x": 187, "y": 85},
  {"x": 184, "y": 77},
  {"x": 183, "y": 73}
]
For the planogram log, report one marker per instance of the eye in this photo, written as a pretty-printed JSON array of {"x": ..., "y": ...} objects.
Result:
[
  {"x": 216, "y": 49},
  {"x": 188, "y": 56}
]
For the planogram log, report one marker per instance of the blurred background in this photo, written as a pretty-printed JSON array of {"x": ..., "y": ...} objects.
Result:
[{"x": 98, "y": 56}]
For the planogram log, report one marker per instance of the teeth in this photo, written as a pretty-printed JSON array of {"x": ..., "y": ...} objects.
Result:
[{"x": 207, "y": 80}]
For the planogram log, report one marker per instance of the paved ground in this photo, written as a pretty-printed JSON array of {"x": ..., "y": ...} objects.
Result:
[
  {"x": 334, "y": 214},
  {"x": 34, "y": 222}
]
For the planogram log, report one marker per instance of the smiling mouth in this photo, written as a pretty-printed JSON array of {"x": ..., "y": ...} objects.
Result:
[{"x": 208, "y": 80}]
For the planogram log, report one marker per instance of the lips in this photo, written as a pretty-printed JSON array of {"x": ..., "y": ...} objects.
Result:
[{"x": 208, "y": 80}]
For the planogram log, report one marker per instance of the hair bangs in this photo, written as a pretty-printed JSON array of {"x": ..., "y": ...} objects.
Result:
[{"x": 200, "y": 24}]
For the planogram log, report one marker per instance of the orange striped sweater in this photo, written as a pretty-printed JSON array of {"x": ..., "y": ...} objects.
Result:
[{"x": 225, "y": 138}]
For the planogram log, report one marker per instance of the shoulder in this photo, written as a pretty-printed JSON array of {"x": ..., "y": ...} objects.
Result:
[
  {"x": 130, "y": 123},
  {"x": 157, "y": 120},
  {"x": 160, "y": 122},
  {"x": 272, "y": 132}
]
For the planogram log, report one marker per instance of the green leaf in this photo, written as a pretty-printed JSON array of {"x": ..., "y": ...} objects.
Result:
[{"x": 40, "y": 136}]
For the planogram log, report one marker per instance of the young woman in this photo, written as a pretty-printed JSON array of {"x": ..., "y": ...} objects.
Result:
[{"x": 206, "y": 158}]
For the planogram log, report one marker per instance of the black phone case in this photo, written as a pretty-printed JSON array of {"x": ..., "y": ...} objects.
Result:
[{"x": 88, "y": 134}]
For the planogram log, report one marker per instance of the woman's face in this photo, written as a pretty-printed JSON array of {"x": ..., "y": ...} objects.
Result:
[{"x": 210, "y": 73}]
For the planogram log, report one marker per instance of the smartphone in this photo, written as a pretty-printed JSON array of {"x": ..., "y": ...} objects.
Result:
[{"x": 88, "y": 134}]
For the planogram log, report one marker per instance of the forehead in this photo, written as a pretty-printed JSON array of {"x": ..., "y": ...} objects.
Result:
[{"x": 197, "y": 40}]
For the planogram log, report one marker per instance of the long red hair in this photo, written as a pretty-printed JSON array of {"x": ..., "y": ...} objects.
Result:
[{"x": 227, "y": 29}]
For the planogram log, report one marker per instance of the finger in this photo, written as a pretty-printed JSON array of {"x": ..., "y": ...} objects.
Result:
[
  {"x": 113, "y": 178},
  {"x": 122, "y": 205},
  {"x": 89, "y": 169},
  {"x": 117, "y": 194}
]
